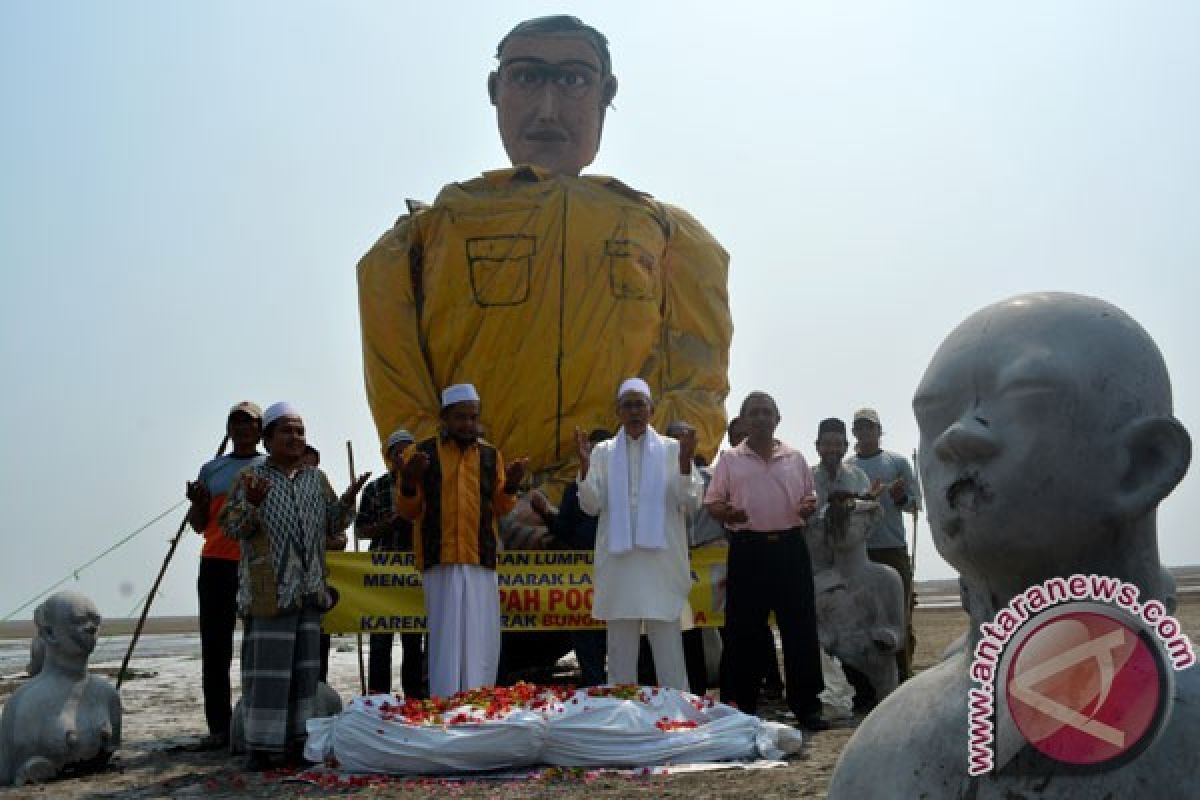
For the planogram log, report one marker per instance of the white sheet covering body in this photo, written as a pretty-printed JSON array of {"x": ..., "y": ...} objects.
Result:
[{"x": 658, "y": 726}]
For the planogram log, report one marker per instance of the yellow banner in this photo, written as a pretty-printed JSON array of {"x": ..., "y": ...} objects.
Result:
[{"x": 539, "y": 590}]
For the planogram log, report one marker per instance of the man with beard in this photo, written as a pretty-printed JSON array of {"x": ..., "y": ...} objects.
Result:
[{"x": 453, "y": 488}]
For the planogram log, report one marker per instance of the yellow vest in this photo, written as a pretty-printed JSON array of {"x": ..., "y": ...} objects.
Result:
[{"x": 545, "y": 292}]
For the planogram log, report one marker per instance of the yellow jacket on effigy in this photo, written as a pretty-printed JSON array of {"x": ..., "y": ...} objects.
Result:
[{"x": 545, "y": 292}]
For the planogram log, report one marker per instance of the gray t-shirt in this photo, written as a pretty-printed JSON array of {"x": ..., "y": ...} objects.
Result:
[{"x": 887, "y": 467}]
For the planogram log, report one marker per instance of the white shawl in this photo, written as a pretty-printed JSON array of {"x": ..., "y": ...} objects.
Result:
[{"x": 649, "y": 531}]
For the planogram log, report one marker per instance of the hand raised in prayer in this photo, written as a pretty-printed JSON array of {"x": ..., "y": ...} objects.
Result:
[
  {"x": 354, "y": 488},
  {"x": 256, "y": 488},
  {"x": 898, "y": 490},
  {"x": 414, "y": 469},
  {"x": 807, "y": 506},
  {"x": 687, "y": 450},
  {"x": 514, "y": 472},
  {"x": 585, "y": 452},
  {"x": 198, "y": 493}
]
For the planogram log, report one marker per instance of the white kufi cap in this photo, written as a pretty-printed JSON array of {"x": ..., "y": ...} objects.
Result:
[
  {"x": 277, "y": 410},
  {"x": 459, "y": 393},
  {"x": 635, "y": 385}
]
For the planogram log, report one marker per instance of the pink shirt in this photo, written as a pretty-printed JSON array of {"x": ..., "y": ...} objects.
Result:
[{"x": 768, "y": 491}]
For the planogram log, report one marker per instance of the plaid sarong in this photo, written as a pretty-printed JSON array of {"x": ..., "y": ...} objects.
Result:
[{"x": 281, "y": 661}]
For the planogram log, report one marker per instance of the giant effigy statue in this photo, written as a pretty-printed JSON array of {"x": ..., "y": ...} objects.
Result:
[
  {"x": 860, "y": 604},
  {"x": 544, "y": 287},
  {"x": 1047, "y": 442},
  {"x": 62, "y": 718}
]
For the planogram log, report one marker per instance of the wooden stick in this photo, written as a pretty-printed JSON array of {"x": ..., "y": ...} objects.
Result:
[
  {"x": 362, "y": 669},
  {"x": 137, "y": 632}
]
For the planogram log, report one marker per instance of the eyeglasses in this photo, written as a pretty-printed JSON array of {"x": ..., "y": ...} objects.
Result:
[{"x": 569, "y": 81}]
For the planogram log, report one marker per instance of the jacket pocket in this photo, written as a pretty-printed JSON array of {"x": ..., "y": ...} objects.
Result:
[
  {"x": 632, "y": 270},
  {"x": 500, "y": 268}
]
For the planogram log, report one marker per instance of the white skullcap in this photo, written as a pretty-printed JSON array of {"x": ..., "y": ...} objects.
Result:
[
  {"x": 459, "y": 393},
  {"x": 277, "y": 410},
  {"x": 635, "y": 385},
  {"x": 398, "y": 436}
]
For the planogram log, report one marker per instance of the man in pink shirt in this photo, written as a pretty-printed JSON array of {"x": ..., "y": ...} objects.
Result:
[{"x": 763, "y": 492}]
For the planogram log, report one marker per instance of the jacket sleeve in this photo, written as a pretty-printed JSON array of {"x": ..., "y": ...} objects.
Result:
[
  {"x": 698, "y": 331},
  {"x": 399, "y": 387}
]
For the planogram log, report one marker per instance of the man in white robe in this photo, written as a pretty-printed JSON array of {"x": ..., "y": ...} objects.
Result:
[{"x": 643, "y": 488}]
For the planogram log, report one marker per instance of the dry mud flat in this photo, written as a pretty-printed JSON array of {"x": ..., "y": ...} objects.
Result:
[{"x": 163, "y": 716}]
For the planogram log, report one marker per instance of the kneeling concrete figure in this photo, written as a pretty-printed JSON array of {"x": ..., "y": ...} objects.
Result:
[
  {"x": 62, "y": 717},
  {"x": 1047, "y": 443},
  {"x": 860, "y": 604},
  {"x": 329, "y": 702}
]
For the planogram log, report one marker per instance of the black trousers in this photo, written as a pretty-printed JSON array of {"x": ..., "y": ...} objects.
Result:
[
  {"x": 217, "y": 588},
  {"x": 772, "y": 572},
  {"x": 379, "y": 671}
]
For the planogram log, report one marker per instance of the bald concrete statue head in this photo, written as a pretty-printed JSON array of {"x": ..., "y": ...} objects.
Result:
[
  {"x": 62, "y": 716},
  {"x": 1047, "y": 443}
]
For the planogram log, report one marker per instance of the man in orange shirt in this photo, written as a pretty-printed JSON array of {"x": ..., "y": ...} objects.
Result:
[
  {"x": 217, "y": 585},
  {"x": 454, "y": 487}
]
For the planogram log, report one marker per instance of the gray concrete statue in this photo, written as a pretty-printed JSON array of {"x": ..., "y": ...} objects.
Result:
[
  {"x": 62, "y": 717},
  {"x": 1047, "y": 443},
  {"x": 860, "y": 604}
]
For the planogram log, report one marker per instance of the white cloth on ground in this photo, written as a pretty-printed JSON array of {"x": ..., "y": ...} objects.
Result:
[
  {"x": 463, "y": 609},
  {"x": 641, "y": 584},
  {"x": 666, "y": 644}
]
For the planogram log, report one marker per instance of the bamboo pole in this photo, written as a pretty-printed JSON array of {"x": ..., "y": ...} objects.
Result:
[
  {"x": 358, "y": 642},
  {"x": 137, "y": 631}
]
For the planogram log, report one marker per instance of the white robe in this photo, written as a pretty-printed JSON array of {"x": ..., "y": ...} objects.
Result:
[{"x": 641, "y": 584}]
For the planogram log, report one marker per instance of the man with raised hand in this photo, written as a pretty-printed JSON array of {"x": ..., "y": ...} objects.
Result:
[
  {"x": 453, "y": 488},
  {"x": 892, "y": 482}
]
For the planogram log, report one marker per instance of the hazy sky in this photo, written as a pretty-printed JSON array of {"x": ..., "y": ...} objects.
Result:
[{"x": 185, "y": 189}]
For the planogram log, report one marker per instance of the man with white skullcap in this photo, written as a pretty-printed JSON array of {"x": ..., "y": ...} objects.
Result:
[
  {"x": 643, "y": 488},
  {"x": 454, "y": 487},
  {"x": 283, "y": 512},
  {"x": 378, "y": 522}
]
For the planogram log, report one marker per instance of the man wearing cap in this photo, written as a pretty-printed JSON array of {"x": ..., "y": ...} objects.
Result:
[
  {"x": 762, "y": 490},
  {"x": 454, "y": 487},
  {"x": 378, "y": 522},
  {"x": 217, "y": 584},
  {"x": 892, "y": 480},
  {"x": 601, "y": 280},
  {"x": 283, "y": 513},
  {"x": 831, "y": 474},
  {"x": 643, "y": 487}
]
